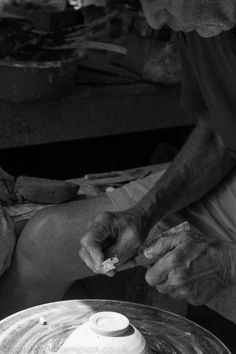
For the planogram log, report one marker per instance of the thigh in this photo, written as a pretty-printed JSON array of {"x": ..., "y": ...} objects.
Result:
[{"x": 50, "y": 241}]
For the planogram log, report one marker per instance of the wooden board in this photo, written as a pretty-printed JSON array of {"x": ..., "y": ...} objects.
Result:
[{"x": 167, "y": 333}]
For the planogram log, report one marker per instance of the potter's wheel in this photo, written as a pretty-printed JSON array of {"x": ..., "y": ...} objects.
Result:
[{"x": 26, "y": 333}]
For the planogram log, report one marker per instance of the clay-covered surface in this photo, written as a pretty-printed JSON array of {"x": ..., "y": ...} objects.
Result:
[{"x": 25, "y": 332}]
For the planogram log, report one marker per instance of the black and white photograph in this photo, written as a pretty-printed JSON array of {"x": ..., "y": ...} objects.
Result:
[{"x": 118, "y": 176}]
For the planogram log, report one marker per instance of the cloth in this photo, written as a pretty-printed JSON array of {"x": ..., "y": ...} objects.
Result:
[
  {"x": 78, "y": 4},
  {"x": 209, "y": 81},
  {"x": 213, "y": 215},
  {"x": 47, "y": 5},
  {"x": 7, "y": 240},
  {"x": 207, "y": 17}
]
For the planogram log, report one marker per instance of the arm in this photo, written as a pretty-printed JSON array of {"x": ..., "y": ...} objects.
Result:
[{"x": 198, "y": 168}]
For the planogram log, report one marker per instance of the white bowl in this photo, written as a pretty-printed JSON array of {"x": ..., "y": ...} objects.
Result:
[{"x": 105, "y": 332}]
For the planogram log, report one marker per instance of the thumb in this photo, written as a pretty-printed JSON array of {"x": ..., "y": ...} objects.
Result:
[
  {"x": 162, "y": 246},
  {"x": 124, "y": 249}
]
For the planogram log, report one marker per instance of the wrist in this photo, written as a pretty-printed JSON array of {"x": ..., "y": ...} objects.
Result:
[
  {"x": 224, "y": 259},
  {"x": 149, "y": 209},
  {"x": 143, "y": 218},
  {"x": 140, "y": 220}
]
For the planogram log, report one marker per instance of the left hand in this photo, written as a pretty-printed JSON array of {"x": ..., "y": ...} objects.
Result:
[
  {"x": 189, "y": 266},
  {"x": 124, "y": 230}
]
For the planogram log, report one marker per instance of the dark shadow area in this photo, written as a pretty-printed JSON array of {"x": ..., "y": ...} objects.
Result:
[
  {"x": 76, "y": 158},
  {"x": 222, "y": 328}
]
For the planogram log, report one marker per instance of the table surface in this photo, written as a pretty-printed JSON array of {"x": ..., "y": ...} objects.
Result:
[
  {"x": 25, "y": 211},
  {"x": 92, "y": 111},
  {"x": 166, "y": 333}
]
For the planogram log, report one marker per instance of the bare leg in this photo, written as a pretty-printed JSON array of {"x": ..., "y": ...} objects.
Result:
[{"x": 46, "y": 261}]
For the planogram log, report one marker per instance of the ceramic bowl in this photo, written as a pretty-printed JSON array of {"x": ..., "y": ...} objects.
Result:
[{"x": 106, "y": 332}]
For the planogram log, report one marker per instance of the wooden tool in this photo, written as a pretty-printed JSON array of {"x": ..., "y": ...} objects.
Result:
[{"x": 141, "y": 260}]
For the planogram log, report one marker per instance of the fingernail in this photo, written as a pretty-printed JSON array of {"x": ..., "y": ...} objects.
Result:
[
  {"x": 148, "y": 253},
  {"x": 110, "y": 274}
]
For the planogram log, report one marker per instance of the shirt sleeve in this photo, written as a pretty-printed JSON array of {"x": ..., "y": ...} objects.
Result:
[{"x": 191, "y": 97}]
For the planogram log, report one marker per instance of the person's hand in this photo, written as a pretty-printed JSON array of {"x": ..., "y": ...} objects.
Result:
[
  {"x": 190, "y": 267},
  {"x": 112, "y": 234}
]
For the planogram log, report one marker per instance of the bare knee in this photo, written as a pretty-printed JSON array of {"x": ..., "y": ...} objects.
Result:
[
  {"x": 49, "y": 243},
  {"x": 36, "y": 251}
]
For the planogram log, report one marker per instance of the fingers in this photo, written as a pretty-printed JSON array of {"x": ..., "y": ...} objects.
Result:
[
  {"x": 92, "y": 255},
  {"x": 158, "y": 273},
  {"x": 172, "y": 272},
  {"x": 175, "y": 285},
  {"x": 126, "y": 247},
  {"x": 192, "y": 245},
  {"x": 91, "y": 250},
  {"x": 102, "y": 227},
  {"x": 128, "y": 265},
  {"x": 110, "y": 274},
  {"x": 166, "y": 244},
  {"x": 181, "y": 269},
  {"x": 94, "y": 260},
  {"x": 109, "y": 235},
  {"x": 170, "y": 277},
  {"x": 172, "y": 282}
]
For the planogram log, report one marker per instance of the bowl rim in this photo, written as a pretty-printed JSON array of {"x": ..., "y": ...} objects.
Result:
[{"x": 37, "y": 64}]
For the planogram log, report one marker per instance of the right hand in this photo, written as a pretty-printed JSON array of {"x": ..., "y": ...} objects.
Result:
[
  {"x": 191, "y": 266},
  {"x": 125, "y": 231}
]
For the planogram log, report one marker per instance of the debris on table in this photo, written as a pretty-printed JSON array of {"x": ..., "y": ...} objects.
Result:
[{"x": 43, "y": 321}]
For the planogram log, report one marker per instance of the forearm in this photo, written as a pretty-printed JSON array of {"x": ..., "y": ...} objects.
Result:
[{"x": 198, "y": 168}]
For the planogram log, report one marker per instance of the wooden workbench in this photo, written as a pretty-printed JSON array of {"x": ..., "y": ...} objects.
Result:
[{"x": 92, "y": 111}]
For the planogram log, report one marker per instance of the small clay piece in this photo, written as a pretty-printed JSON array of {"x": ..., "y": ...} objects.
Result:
[
  {"x": 44, "y": 191},
  {"x": 110, "y": 264},
  {"x": 43, "y": 321}
]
